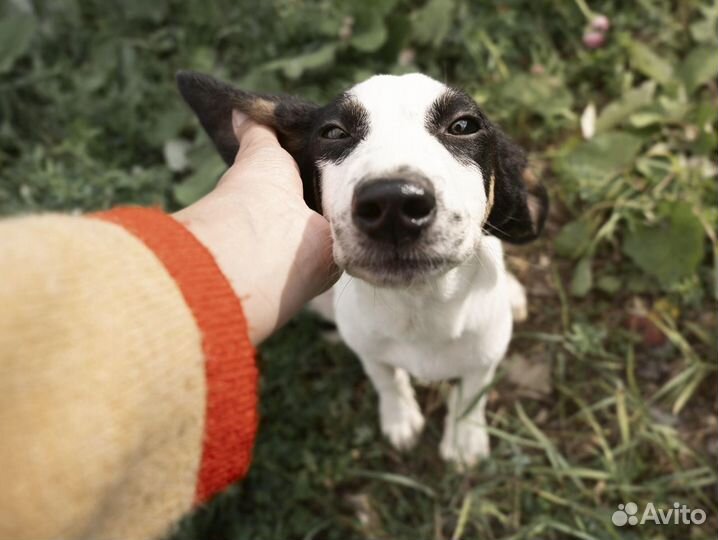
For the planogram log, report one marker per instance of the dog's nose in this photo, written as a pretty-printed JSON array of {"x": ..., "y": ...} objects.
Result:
[{"x": 393, "y": 210}]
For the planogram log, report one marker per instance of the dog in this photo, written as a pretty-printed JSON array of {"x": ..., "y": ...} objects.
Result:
[{"x": 419, "y": 188}]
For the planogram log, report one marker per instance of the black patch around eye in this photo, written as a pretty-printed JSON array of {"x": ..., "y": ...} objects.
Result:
[
  {"x": 444, "y": 117},
  {"x": 520, "y": 205},
  {"x": 474, "y": 148},
  {"x": 353, "y": 118},
  {"x": 344, "y": 111}
]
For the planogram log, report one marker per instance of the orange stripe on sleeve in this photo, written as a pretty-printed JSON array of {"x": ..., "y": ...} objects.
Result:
[{"x": 231, "y": 415}]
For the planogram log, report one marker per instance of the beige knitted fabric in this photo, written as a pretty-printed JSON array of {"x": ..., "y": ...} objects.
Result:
[{"x": 102, "y": 385}]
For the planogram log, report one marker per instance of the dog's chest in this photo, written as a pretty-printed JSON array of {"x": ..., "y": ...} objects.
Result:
[
  {"x": 430, "y": 338},
  {"x": 432, "y": 360},
  {"x": 434, "y": 342},
  {"x": 420, "y": 323}
]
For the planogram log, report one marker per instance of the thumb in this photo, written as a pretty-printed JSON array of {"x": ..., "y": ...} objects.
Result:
[
  {"x": 260, "y": 157},
  {"x": 250, "y": 134}
]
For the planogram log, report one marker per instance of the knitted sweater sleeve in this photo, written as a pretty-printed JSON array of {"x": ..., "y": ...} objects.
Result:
[{"x": 128, "y": 386}]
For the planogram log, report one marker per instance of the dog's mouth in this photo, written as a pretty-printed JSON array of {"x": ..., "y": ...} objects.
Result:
[{"x": 396, "y": 269}]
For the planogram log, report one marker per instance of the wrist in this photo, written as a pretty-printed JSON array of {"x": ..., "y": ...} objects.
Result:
[{"x": 275, "y": 265}]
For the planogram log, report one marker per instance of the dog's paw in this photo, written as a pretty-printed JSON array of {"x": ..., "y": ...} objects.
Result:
[
  {"x": 520, "y": 312},
  {"x": 465, "y": 445},
  {"x": 401, "y": 422},
  {"x": 517, "y": 298}
]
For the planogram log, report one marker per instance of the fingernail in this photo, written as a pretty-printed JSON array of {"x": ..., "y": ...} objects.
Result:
[{"x": 238, "y": 118}]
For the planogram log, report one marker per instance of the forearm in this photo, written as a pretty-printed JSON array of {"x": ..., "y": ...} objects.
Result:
[{"x": 117, "y": 351}]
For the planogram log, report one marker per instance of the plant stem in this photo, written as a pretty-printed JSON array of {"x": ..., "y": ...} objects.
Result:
[{"x": 581, "y": 4}]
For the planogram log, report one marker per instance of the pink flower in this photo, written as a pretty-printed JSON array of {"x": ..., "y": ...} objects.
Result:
[
  {"x": 601, "y": 23},
  {"x": 593, "y": 40}
]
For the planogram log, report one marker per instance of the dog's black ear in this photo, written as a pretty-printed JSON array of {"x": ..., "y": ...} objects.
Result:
[
  {"x": 519, "y": 203},
  {"x": 213, "y": 101}
]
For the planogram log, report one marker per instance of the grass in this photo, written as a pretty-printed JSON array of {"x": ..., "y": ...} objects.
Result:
[
  {"x": 561, "y": 460},
  {"x": 620, "y": 399}
]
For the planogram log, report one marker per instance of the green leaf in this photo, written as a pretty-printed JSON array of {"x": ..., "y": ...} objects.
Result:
[
  {"x": 704, "y": 30},
  {"x": 671, "y": 249},
  {"x": 542, "y": 94},
  {"x": 663, "y": 111},
  {"x": 616, "y": 112},
  {"x": 588, "y": 168},
  {"x": 699, "y": 67},
  {"x": 582, "y": 279},
  {"x": 574, "y": 239},
  {"x": 647, "y": 116},
  {"x": 16, "y": 32},
  {"x": 379, "y": 8},
  {"x": 141, "y": 10},
  {"x": 649, "y": 63},
  {"x": 654, "y": 169},
  {"x": 371, "y": 38},
  {"x": 294, "y": 67},
  {"x": 432, "y": 21},
  {"x": 609, "y": 284},
  {"x": 260, "y": 80},
  {"x": 208, "y": 167},
  {"x": 167, "y": 125}
]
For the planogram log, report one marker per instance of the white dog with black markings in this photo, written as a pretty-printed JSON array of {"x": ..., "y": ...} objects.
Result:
[{"x": 419, "y": 188}]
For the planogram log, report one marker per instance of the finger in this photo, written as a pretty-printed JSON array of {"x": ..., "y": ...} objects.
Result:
[{"x": 249, "y": 133}]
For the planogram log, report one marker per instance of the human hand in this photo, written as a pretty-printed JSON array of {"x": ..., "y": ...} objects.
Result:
[{"x": 275, "y": 251}]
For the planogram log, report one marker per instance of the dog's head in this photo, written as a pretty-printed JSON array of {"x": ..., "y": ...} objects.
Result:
[{"x": 409, "y": 172}]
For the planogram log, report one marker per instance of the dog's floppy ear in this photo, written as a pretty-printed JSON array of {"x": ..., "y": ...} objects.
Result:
[
  {"x": 519, "y": 202},
  {"x": 213, "y": 101}
]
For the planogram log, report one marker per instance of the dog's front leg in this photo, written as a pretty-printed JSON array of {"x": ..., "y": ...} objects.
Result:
[
  {"x": 465, "y": 440},
  {"x": 399, "y": 414}
]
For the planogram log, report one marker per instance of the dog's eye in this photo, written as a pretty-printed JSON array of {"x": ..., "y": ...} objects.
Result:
[
  {"x": 334, "y": 132},
  {"x": 464, "y": 126}
]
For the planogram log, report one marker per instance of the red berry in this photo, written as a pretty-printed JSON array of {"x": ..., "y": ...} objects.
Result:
[
  {"x": 593, "y": 40},
  {"x": 601, "y": 23},
  {"x": 651, "y": 336}
]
